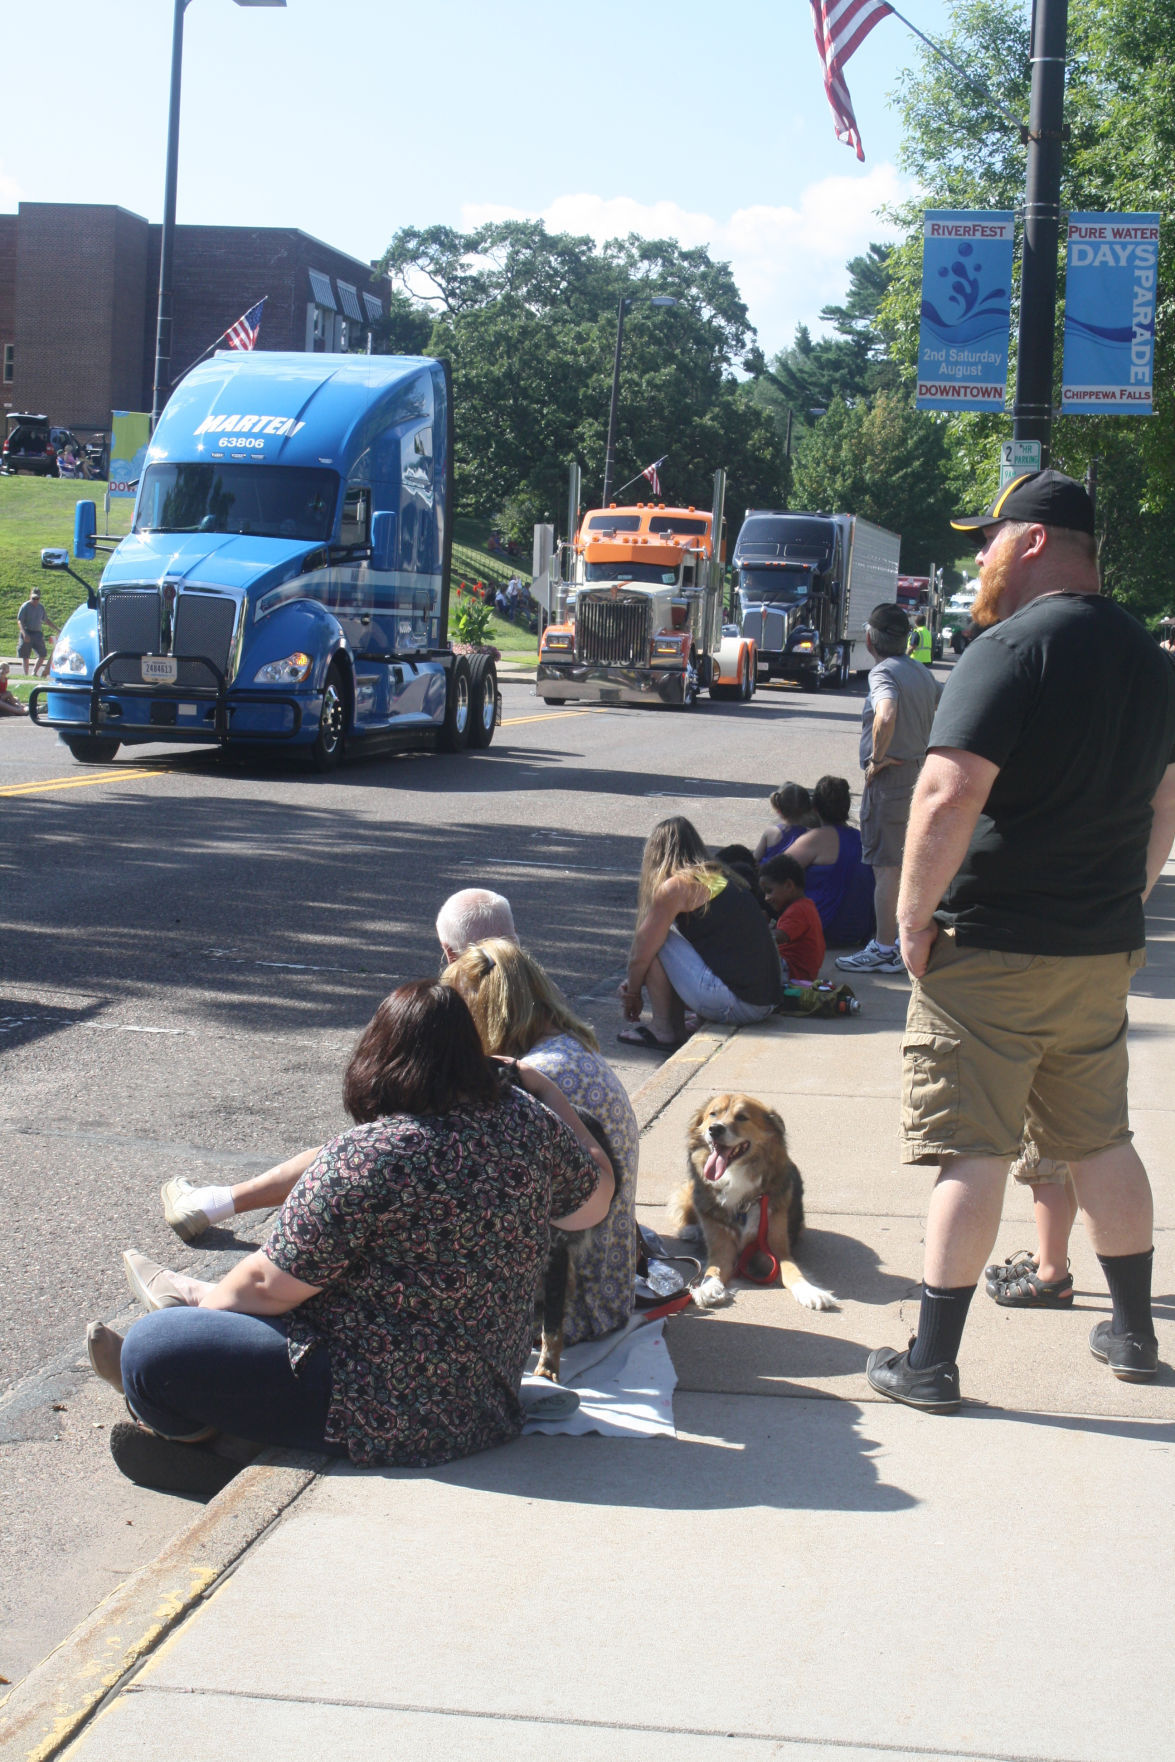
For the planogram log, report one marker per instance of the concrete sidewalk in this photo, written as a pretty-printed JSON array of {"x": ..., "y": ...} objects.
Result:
[{"x": 804, "y": 1572}]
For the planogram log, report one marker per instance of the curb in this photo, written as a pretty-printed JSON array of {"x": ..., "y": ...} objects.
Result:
[{"x": 48, "y": 1707}]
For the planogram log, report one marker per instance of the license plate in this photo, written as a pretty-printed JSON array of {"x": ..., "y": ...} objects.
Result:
[{"x": 160, "y": 669}]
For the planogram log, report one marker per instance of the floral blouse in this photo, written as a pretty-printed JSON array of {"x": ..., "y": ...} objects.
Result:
[{"x": 428, "y": 1234}]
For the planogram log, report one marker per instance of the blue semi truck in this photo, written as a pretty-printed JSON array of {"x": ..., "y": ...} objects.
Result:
[{"x": 286, "y": 578}]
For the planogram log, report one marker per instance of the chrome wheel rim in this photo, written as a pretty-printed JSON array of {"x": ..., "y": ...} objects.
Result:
[
  {"x": 461, "y": 704},
  {"x": 331, "y": 722}
]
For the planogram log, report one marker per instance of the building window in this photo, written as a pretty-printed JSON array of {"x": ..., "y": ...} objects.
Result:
[
  {"x": 350, "y": 301},
  {"x": 9, "y": 362},
  {"x": 321, "y": 290}
]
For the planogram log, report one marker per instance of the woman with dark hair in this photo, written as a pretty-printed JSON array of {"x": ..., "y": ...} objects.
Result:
[
  {"x": 837, "y": 881},
  {"x": 388, "y": 1316},
  {"x": 701, "y": 942},
  {"x": 792, "y": 806}
]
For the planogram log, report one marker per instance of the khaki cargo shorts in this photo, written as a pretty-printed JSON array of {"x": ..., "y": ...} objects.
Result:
[
  {"x": 885, "y": 812},
  {"x": 1003, "y": 1047}
]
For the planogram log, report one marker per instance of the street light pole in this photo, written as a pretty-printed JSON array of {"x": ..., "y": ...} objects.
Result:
[
  {"x": 167, "y": 233},
  {"x": 1032, "y": 411},
  {"x": 626, "y": 300},
  {"x": 162, "y": 384}
]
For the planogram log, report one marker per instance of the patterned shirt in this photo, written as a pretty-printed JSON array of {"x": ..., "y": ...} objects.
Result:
[
  {"x": 606, "y": 1275},
  {"x": 428, "y": 1234}
]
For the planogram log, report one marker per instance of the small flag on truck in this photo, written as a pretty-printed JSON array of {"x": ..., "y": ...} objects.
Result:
[
  {"x": 841, "y": 28},
  {"x": 650, "y": 471},
  {"x": 244, "y": 333}
]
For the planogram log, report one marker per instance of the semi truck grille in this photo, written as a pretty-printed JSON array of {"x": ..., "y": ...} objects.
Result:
[
  {"x": 203, "y": 626},
  {"x": 612, "y": 632},
  {"x": 132, "y": 622}
]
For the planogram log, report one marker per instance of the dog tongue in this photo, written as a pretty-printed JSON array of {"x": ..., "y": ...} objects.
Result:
[{"x": 715, "y": 1166}]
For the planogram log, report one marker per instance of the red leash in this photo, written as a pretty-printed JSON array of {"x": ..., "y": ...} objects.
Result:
[{"x": 759, "y": 1246}]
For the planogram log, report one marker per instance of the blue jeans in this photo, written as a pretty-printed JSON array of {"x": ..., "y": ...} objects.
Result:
[{"x": 184, "y": 1369}]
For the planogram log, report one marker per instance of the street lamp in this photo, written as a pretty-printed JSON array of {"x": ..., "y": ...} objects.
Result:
[
  {"x": 167, "y": 234},
  {"x": 626, "y": 301}
]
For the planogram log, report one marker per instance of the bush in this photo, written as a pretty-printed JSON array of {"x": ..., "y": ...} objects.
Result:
[{"x": 470, "y": 622}]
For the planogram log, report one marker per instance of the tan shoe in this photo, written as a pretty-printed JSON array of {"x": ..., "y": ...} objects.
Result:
[
  {"x": 104, "y": 1351},
  {"x": 153, "y": 1285},
  {"x": 185, "y": 1218}
]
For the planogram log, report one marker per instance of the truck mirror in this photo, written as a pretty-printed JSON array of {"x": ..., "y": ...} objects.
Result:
[
  {"x": 54, "y": 559},
  {"x": 85, "y": 525},
  {"x": 383, "y": 539}
]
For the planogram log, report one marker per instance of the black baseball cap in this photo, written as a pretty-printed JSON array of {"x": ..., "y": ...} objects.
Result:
[
  {"x": 1045, "y": 496},
  {"x": 889, "y": 620}
]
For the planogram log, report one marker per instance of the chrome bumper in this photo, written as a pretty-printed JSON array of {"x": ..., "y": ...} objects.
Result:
[{"x": 610, "y": 685}]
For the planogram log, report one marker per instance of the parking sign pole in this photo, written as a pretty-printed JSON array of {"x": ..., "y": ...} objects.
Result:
[{"x": 167, "y": 232}]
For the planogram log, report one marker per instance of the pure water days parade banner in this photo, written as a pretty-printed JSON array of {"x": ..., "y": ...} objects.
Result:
[
  {"x": 1110, "y": 286},
  {"x": 966, "y": 307}
]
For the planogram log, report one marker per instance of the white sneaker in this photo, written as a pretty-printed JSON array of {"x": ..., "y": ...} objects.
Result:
[
  {"x": 872, "y": 959},
  {"x": 185, "y": 1218}
]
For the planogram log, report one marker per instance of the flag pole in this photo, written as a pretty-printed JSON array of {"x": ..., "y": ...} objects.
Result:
[
  {"x": 640, "y": 474},
  {"x": 972, "y": 79}
]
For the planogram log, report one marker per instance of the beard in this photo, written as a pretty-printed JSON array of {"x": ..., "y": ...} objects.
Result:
[{"x": 994, "y": 576}]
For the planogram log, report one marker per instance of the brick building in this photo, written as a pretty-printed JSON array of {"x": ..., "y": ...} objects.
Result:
[{"x": 78, "y": 292}]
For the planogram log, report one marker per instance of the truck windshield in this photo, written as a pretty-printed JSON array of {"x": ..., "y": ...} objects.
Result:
[
  {"x": 786, "y": 535},
  {"x": 770, "y": 585},
  {"x": 631, "y": 572},
  {"x": 272, "y": 501}
]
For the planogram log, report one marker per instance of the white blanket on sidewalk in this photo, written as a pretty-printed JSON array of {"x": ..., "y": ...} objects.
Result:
[{"x": 625, "y": 1384}]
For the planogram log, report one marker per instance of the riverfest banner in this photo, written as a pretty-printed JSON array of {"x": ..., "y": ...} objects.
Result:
[
  {"x": 1110, "y": 286},
  {"x": 966, "y": 310}
]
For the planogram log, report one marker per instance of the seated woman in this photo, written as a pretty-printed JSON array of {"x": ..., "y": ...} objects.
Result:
[
  {"x": 701, "y": 943},
  {"x": 792, "y": 806},
  {"x": 520, "y": 1014},
  {"x": 388, "y": 1316},
  {"x": 836, "y": 880}
]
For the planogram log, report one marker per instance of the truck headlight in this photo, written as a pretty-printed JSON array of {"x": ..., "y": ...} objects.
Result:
[
  {"x": 292, "y": 671},
  {"x": 804, "y": 648},
  {"x": 667, "y": 647},
  {"x": 559, "y": 642},
  {"x": 66, "y": 658}
]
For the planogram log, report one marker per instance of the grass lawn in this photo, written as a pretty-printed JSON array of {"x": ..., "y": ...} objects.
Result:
[{"x": 38, "y": 511}]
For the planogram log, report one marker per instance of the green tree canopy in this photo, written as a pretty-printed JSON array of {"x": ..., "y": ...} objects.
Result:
[
  {"x": 1120, "y": 105},
  {"x": 527, "y": 320},
  {"x": 888, "y": 462}
]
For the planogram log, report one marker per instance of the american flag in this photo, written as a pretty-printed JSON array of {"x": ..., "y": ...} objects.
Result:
[
  {"x": 650, "y": 471},
  {"x": 841, "y": 27},
  {"x": 244, "y": 333}
]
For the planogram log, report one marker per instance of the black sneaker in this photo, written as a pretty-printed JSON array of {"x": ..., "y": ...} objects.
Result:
[
  {"x": 934, "y": 1390},
  {"x": 1133, "y": 1357},
  {"x": 168, "y": 1466}
]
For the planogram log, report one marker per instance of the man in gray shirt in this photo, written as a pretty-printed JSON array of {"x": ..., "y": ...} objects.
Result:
[
  {"x": 31, "y": 621},
  {"x": 895, "y": 727}
]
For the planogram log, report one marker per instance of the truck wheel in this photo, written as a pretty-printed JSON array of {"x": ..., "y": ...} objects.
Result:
[
  {"x": 454, "y": 735},
  {"x": 483, "y": 693},
  {"x": 327, "y": 750},
  {"x": 844, "y": 669},
  {"x": 689, "y": 696},
  {"x": 554, "y": 700},
  {"x": 747, "y": 690},
  {"x": 91, "y": 749}
]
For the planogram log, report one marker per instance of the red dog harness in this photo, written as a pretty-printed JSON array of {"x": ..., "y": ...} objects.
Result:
[{"x": 758, "y": 1246}]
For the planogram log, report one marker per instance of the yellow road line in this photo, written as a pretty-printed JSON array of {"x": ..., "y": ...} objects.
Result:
[
  {"x": 553, "y": 715},
  {"x": 53, "y": 783}
]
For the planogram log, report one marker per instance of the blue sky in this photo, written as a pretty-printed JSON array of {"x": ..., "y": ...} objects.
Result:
[{"x": 350, "y": 118}]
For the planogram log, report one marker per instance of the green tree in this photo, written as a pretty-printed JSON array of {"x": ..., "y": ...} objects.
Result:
[
  {"x": 1120, "y": 106},
  {"x": 889, "y": 463},
  {"x": 527, "y": 320}
]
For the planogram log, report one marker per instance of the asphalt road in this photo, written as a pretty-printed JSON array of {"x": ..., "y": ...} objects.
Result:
[{"x": 190, "y": 948}]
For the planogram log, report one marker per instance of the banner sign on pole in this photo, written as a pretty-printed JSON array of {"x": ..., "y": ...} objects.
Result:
[
  {"x": 130, "y": 435},
  {"x": 966, "y": 310},
  {"x": 1110, "y": 287}
]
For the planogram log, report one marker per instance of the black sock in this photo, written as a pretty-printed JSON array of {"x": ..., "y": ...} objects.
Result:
[
  {"x": 942, "y": 1317},
  {"x": 1129, "y": 1279}
]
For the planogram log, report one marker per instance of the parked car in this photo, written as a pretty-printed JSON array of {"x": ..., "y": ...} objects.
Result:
[{"x": 28, "y": 445}]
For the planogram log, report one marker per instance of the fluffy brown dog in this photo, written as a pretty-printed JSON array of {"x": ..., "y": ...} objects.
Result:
[{"x": 737, "y": 1151}]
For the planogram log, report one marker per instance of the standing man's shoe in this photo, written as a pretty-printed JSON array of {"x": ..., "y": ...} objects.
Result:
[
  {"x": 185, "y": 1218},
  {"x": 934, "y": 1389},
  {"x": 1132, "y": 1357},
  {"x": 872, "y": 959}
]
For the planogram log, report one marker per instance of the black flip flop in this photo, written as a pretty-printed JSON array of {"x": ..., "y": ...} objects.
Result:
[{"x": 636, "y": 1034}]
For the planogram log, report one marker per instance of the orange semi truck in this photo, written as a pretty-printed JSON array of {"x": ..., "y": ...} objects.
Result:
[{"x": 640, "y": 619}]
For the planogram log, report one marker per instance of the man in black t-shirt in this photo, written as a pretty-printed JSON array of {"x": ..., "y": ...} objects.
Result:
[{"x": 1042, "y": 819}]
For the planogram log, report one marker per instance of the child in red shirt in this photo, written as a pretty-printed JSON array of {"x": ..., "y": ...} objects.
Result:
[{"x": 799, "y": 934}]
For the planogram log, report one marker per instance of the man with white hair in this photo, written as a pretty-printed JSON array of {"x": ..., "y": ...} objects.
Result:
[{"x": 473, "y": 915}]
